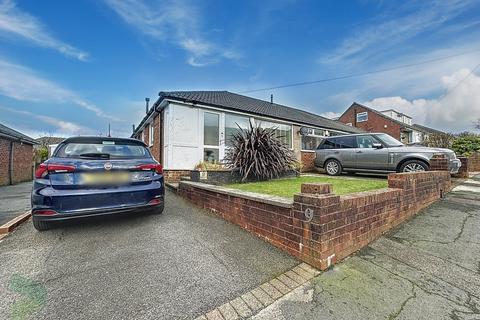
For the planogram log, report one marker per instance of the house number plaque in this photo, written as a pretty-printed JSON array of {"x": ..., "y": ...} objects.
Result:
[{"x": 309, "y": 214}]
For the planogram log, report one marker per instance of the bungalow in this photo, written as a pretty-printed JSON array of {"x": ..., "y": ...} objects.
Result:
[
  {"x": 16, "y": 156},
  {"x": 184, "y": 128},
  {"x": 392, "y": 122}
]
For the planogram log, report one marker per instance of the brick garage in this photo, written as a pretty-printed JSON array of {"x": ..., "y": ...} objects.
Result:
[
  {"x": 318, "y": 227},
  {"x": 16, "y": 156}
]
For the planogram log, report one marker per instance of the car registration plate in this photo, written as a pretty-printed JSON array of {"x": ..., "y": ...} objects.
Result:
[{"x": 111, "y": 178}]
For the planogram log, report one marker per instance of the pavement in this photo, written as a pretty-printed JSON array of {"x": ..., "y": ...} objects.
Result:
[
  {"x": 427, "y": 268},
  {"x": 178, "y": 265},
  {"x": 14, "y": 200}
]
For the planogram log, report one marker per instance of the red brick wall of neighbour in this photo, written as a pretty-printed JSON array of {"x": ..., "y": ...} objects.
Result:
[
  {"x": 375, "y": 122},
  {"x": 322, "y": 228},
  {"x": 307, "y": 159},
  {"x": 22, "y": 162},
  {"x": 4, "y": 161},
  {"x": 156, "y": 148}
]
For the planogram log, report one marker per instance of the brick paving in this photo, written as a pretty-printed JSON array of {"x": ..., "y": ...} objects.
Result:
[{"x": 257, "y": 299}]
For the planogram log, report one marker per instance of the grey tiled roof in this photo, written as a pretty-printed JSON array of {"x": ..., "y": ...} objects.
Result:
[
  {"x": 237, "y": 102},
  {"x": 419, "y": 127},
  {"x": 15, "y": 135}
]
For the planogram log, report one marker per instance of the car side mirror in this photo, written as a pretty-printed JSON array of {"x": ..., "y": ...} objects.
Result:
[{"x": 377, "y": 146}]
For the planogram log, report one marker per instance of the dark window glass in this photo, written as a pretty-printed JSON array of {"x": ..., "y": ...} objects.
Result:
[
  {"x": 328, "y": 144},
  {"x": 108, "y": 149},
  {"x": 366, "y": 141},
  {"x": 345, "y": 142}
]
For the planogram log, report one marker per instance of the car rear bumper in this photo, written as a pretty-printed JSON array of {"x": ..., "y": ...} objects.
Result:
[{"x": 78, "y": 214}]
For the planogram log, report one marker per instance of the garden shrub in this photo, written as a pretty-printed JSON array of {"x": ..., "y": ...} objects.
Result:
[
  {"x": 466, "y": 144},
  {"x": 258, "y": 153}
]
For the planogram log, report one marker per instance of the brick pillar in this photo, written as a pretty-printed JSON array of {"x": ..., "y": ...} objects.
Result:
[
  {"x": 464, "y": 169},
  {"x": 439, "y": 163}
]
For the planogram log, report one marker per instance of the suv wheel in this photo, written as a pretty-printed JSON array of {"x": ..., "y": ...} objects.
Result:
[
  {"x": 40, "y": 225},
  {"x": 413, "y": 166},
  {"x": 333, "y": 167}
]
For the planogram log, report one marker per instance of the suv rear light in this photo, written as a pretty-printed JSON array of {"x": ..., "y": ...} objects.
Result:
[
  {"x": 44, "y": 169},
  {"x": 154, "y": 202},
  {"x": 46, "y": 212},
  {"x": 151, "y": 166}
]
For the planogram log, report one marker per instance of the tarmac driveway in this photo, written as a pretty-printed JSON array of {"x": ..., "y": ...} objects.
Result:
[
  {"x": 14, "y": 200},
  {"x": 172, "y": 266}
]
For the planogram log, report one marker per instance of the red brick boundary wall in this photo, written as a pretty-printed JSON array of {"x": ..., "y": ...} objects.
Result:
[
  {"x": 474, "y": 162},
  {"x": 319, "y": 227},
  {"x": 21, "y": 169},
  {"x": 439, "y": 163},
  {"x": 175, "y": 175}
]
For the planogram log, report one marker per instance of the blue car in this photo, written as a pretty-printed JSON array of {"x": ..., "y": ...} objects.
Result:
[{"x": 96, "y": 176}]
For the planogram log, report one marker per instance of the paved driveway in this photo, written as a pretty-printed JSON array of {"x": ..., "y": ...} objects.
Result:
[
  {"x": 14, "y": 200},
  {"x": 427, "y": 268},
  {"x": 172, "y": 266}
]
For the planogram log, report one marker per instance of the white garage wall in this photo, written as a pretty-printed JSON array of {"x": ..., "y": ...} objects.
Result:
[{"x": 181, "y": 137}]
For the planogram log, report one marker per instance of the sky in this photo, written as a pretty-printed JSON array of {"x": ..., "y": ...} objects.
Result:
[{"x": 74, "y": 67}]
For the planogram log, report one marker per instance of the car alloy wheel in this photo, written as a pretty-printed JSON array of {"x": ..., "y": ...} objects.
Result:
[
  {"x": 413, "y": 167},
  {"x": 332, "y": 167}
]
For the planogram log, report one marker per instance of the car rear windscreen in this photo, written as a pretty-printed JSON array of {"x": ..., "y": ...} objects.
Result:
[{"x": 103, "y": 150}]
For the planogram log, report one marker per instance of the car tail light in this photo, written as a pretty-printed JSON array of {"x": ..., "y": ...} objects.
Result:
[
  {"x": 44, "y": 169},
  {"x": 154, "y": 202},
  {"x": 151, "y": 166},
  {"x": 46, "y": 212}
]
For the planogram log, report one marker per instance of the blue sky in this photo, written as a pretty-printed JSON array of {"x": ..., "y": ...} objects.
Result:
[{"x": 72, "y": 67}]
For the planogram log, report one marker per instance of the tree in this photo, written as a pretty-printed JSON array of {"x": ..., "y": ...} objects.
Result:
[
  {"x": 258, "y": 153},
  {"x": 476, "y": 124}
]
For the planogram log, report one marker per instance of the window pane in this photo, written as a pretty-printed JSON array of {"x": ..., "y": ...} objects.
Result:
[
  {"x": 310, "y": 142},
  {"x": 210, "y": 129},
  {"x": 232, "y": 123},
  {"x": 210, "y": 155},
  {"x": 365, "y": 141},
  {"x": 345, "y": 142},
  {"x": 362, "y": 116},
  {"x": 282, "y": 131}
]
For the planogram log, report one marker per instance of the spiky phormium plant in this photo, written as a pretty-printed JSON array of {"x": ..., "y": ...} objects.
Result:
[{"x": 257, "y": 153}]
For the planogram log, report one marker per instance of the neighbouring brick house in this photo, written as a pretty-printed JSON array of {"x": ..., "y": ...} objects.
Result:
[
  {"x": 394, "y": 123},
  {"x": 184, "y": 128},
  {"x": 16, "y": 156}
]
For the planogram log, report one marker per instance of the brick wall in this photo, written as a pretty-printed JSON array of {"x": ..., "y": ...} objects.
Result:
[
  {"x": 175, "y": 175},
  {"x": 22, "y": 162},
  {"x": 318, "y": 227},
  {"x": 439, "y": 163},
  {"x": 375, "y": 122},
  {"x": 474, "y": 162},
  {"x": 4, "y": 161},
  {"x": 308, "y": 161},
  {"x": 464, "y": 169}
]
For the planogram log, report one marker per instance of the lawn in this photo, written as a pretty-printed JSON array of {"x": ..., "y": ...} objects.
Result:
[{"x": 286, "y": 188}]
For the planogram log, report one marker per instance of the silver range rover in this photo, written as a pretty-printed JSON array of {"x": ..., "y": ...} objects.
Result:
[{"x": 376, "y": 152}]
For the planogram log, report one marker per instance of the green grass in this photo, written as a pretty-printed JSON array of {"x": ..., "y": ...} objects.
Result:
[{"x": 286, "y": 188}]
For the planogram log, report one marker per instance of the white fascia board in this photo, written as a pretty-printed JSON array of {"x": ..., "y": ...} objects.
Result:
[{"x": 250, "y": 115}]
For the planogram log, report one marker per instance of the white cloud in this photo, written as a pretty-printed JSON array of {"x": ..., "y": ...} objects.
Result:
[
  {"x": 173, "y": 21},
  {"x": 62, "y": 127},
  {"x": 15, "y": 22},
  {"x": 391, "y": 30},
  {"x": 331, "y": 114},
  {"x": 454, "y": 110},
  {"x": 21, "y": 83}
]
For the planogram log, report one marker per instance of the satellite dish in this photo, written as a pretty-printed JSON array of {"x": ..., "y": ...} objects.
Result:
[{"x": 304, "y": 131}]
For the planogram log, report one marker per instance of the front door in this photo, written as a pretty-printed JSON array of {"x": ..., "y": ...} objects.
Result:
[{"x": 368, "y": 157}]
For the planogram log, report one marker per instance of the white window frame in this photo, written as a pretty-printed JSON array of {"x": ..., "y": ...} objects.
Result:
[
  {"x": 360, "y": 114},
  {"x": 143, "y": 135},
  {"x": 151, "y": 135},
  {"x": 349, "y": 124}
]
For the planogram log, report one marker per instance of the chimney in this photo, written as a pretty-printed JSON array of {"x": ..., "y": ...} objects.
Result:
[
  {"x": 147, "y": 100},
  {"x": 133, "y": 128},
  {"x": 271, "y": 98}
]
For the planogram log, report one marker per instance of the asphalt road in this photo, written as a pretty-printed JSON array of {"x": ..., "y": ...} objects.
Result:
[
  {"x": 172, "y": 266},
  {"x": 427, "y": 268},
  {"x": 14, "y": 200}
]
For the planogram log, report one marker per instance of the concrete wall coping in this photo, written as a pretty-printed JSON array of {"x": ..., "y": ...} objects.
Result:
[{"x": 272, "y": 200}]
